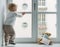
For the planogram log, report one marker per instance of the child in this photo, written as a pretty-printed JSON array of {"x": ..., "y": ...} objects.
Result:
[{"x": 8, "y": 24}]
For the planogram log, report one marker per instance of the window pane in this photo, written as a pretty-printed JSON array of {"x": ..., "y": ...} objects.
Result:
[
  {"x": 47, "y": 5},
  {"x": 23, "y": 5},
  {"x": 23, "y": 26},
  {"x": 47, "y": 23}
]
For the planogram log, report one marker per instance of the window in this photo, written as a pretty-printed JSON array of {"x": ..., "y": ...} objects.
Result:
[
  {"x": 47, "y": 17},
  {"x": 23, "y": 5},
  {"x": 47, "y": 5},
  {"x": 23, "y": 25},
  {"x": 47, "y": 22}
]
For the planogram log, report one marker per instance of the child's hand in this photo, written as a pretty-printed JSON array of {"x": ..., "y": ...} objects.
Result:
[{"x": 23, "y": 13}]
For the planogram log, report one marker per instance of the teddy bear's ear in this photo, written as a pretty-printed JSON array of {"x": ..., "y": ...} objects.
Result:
[
  {"x": 43, "y": 33},
  {"x": 49, "y": 34}
]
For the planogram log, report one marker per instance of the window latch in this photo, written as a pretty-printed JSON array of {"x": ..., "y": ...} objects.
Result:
[{"x": 34, "y": 6}]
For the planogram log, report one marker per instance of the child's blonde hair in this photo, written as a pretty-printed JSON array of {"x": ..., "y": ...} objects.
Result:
[{"x": 12, "y": 7}]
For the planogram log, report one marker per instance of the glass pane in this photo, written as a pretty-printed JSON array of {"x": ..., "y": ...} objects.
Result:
[
  {"x": 47, "y": 5},
  {"x": 23, "y": 26},
  {"x": 47, "y": 23},
  {"x": 23, "y": 5}
]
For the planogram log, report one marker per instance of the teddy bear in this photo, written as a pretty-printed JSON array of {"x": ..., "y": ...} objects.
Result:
[{"x": 46, "y": 36}]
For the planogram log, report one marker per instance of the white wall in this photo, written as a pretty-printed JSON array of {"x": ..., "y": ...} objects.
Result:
[{"x": 2, "y": 2}]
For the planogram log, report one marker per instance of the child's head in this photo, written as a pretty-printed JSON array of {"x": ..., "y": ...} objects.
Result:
[{"x": 12, "y": 7}]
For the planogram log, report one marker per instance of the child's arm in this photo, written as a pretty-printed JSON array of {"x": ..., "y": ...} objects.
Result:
[
  {"x": 20, "y": 15},
  {"x": 23, "y": 13}
]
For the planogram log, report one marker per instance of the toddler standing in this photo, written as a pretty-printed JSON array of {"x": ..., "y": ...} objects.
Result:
[{"x": 9, "y": 22}]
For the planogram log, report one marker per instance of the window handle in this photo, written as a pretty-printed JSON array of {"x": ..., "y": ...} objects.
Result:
[{"x": 34, "y": 6}]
